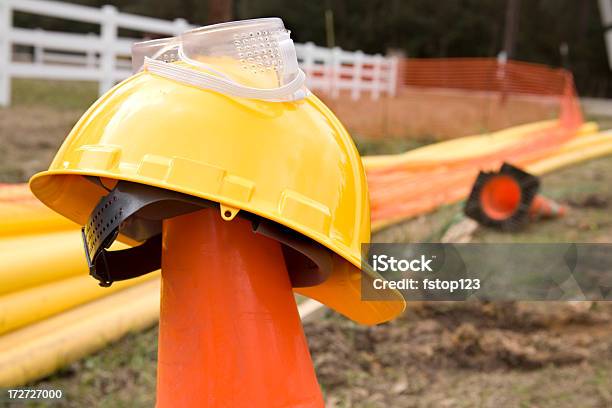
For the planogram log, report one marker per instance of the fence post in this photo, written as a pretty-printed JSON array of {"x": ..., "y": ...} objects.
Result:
[
  {"x": 376, "y": 85},
  {"x": 6, "y": 23},
  {"x": 335, "y": 71},
  {"x": 327, "y": 77},
  {"x": 308, "y": 61},
  {"x": 357, "y": 69},
  {"x": 392, "y": 75},
  {"x": 90, "y": 55},
  {"x": 38, "y": 49},
  {"x": 181, "y": 25},
  {"x": 108, "y": 35}
]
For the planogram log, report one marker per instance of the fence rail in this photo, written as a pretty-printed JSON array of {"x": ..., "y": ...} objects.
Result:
[{"x": 104, "y": 58}]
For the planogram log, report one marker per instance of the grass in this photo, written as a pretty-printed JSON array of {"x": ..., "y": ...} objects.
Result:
[
  {"x": 605, "y": 122},
  {"x": 369, "y": 147},
  {"x": 59, "y": 95}
]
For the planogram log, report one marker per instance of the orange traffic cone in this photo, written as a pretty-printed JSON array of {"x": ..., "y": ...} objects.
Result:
[
  {"x": 543, "y": 207},
  {"x": 508, "y": 199},
  {"x": 230, "y": 334}
]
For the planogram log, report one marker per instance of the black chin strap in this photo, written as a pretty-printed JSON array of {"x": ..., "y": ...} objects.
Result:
[{"x": 137, "y": 211}]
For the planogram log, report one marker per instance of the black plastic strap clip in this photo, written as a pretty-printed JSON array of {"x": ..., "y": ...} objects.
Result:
[{"x": 130, "y": 209}]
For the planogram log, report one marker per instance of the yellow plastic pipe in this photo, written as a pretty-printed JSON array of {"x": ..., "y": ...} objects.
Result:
[
  {"x": 459, "y": 148},
  {"x": 587, "y": 140},
  {"x": 31, "y": 260},
  {"x": 39, "y": 349},
  {"x": 568, "y": 156},
  {"x": 21, "y": 308},
  {"x": 22, "y": 213},
  {"x": 467, "y": 147}
]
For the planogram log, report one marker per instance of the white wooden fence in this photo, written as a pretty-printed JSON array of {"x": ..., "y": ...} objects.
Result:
[
  {"x": 605, "y": 11},
  {"x": 334, "y": 70},
  {"x": 105, "y": 58}
]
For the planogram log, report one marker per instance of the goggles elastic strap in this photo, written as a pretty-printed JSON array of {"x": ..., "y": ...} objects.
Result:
[
  {"x": 292, "y": 91},
  {"x": 182, "y": 56}
]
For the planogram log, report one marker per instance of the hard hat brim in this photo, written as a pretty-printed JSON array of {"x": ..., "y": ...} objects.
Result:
[{"x": 341, "y": 291}]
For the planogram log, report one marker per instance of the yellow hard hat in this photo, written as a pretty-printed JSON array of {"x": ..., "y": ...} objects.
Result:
[{"x": 290, "y": 165}]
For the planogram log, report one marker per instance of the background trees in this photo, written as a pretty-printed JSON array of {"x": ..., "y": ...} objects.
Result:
[{"x": 555, "y": 32}]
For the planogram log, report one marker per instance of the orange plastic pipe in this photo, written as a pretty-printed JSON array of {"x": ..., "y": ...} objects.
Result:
[{"x": 230, "y": 334}]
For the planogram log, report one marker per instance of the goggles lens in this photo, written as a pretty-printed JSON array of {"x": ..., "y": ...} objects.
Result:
[{"x": 257, "y": 53}]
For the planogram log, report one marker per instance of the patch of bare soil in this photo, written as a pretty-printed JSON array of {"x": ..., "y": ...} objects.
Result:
[
  {"x": 590, "y": 201},
  {"x": 418, "y": 113},
  {"x": 30, "y": 137},
  {"x": 469, "y": 354}
]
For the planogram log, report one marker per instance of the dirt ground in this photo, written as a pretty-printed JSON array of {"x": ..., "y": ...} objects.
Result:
[
  {"x": 31, "y": 131},
  {"x": 470, "y": 354},
  {"x": 435, "y": 355},
  {"x": 30, "y": 137},
  {"x": 443, "y": 354},
  {"x": 436, "y": 114}
]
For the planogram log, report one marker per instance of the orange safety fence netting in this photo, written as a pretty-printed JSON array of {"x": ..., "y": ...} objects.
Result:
[
  {"x": 438, "y": 99},
  {"x": 491, "y": 75}
]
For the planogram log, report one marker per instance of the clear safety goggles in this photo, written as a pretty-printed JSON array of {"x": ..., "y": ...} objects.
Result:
[{"x": 253, "y": 59}]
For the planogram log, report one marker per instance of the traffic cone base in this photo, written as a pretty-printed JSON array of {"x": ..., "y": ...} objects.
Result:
[{"x": 502, "y": 199}]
